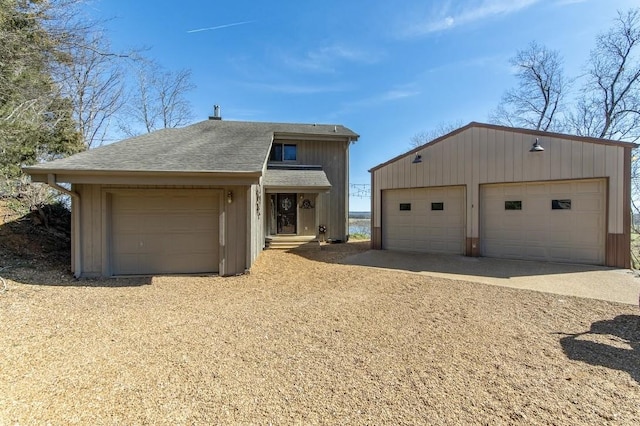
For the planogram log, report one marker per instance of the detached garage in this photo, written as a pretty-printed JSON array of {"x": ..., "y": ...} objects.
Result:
[{"x": 494, "y": 191}]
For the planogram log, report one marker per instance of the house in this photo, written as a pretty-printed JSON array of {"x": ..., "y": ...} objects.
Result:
[
  {"x": 203, "y": 198},
  {"x": 486, "y": 190}
]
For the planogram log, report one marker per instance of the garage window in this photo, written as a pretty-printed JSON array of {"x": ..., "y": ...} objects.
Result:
[
  {"x": 405, "y": 206},
  {"x": 513, "y": 205},
  {"x": 560, "y": 204},
  {"x": 437, "y": 206}
]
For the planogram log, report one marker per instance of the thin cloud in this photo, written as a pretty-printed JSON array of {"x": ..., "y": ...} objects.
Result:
[
  {"x": 475, "y": 11},
  {"x": 219, "y": 27},
  {"x": 395, "y": 94},
  {"x": 293, "y": 89},
  {"x": 325, "y": 59},
  {"x": 569, "y": 2}
]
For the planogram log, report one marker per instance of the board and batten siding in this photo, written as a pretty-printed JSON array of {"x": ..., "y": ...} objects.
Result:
[
  {"x": 333, "y": 206},
  {"x": 94, "y": 226},
  {"x": 483, "y": 154}
]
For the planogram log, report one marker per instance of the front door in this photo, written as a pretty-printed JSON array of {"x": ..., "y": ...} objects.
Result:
[{"x": 287, "y": 213}]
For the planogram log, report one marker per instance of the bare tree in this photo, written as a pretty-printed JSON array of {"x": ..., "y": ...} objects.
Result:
[
  {"x": 94, "y": 81},
  {"x": 158, "y": 101},
  {"x": 537, "y": 100},
  {"x": 441, "y": 129},
  {"x": 610, "y": 105}
]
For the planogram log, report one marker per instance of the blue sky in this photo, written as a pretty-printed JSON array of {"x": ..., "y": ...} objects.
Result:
[{"x": 387, "y": 70}]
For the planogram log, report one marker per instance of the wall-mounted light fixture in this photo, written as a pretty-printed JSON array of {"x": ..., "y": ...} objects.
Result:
[
  {"x": 417, "y": 159},
  {"x": 229, "y": 197},
  {"x": 536, "y": 147}
]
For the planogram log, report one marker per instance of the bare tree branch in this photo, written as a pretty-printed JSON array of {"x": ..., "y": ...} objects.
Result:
[
  {"x": 610, "y": 105},
  {"x": 424, "y": 137},
  {"x": 158, "y": 100},
  {"x": 537, "y": 101}
]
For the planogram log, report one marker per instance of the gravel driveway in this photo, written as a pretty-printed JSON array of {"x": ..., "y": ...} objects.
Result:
[{"x": 308, "y": 339}]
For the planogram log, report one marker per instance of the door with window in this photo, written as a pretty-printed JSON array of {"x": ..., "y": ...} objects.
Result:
[{"x": 287, "y": 213}]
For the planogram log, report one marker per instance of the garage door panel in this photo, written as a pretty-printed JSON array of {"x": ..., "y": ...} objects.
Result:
[
  {"x": 537, "y": 231},
  {"x": 421, "y": 228},
  {"x": 168, "y": 231}
]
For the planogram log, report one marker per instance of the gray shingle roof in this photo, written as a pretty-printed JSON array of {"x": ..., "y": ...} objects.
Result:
[
  {"x": 296, "y": 178},
  {"x": 207, "y": 146}
]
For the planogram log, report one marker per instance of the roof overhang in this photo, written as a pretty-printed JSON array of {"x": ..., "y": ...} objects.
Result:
[
  {"x": 314, "y": 137},
  {"x": 134, "y": 177},
  {"x": 309, "y": 179}
]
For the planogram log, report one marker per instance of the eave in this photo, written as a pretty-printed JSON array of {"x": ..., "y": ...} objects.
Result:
[{"x": 136, "y": 177}]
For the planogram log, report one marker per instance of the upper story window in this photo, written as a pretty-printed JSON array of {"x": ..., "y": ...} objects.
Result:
[{"x": 283, "y": 152}]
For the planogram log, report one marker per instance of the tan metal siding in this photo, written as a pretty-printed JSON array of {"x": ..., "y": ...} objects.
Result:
[
  {"x": 588, "y": 159},
  {"x": 492, "y": 156},
  {"x": 478, "y": 155}
]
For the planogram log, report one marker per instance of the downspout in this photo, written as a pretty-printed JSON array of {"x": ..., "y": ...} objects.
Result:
[{"x": 75, "y": 215}]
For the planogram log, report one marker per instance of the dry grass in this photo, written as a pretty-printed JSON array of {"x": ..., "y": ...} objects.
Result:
[{"x": 305, "y": 339}]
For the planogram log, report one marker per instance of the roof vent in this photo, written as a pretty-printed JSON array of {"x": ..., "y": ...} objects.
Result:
[{"x": 216, "y": 113}]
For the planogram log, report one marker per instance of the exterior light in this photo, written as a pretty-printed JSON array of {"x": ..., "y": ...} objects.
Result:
[
  {"x": 417, "y": 159},
  {"x": 536, "y": 147},
  {"x": 229, "y": 197}
]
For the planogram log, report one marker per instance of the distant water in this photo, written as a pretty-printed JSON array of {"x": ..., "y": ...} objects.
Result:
[
  {"x": 360, "y": 223},
  {"x": 359, "y": 215}
]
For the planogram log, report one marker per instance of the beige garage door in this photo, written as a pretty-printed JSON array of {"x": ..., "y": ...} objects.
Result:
[
  {"x": 164, "y": 232},
  {"x": 429, "y": 220},
  {"x": 559, "y": 221}
]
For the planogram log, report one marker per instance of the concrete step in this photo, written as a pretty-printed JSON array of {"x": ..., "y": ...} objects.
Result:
[{"x": 290, "y": 243}]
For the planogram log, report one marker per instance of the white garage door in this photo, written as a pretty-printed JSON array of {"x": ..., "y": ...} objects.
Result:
[
  {"x": 164, "y": 231},
  {"x": 559, "y": 221},
  {"x": 429, "y": 220}
]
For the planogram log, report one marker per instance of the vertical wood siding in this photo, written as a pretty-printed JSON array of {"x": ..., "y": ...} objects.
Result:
[
  {"x": 332, "y": 206},
  {"x": 94, "y": 219}
]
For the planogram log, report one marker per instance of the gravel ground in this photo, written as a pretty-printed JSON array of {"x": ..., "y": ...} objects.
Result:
[{"x": 305, "y": 339}]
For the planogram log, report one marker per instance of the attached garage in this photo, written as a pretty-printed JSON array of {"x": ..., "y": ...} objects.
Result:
[
  {"x": 555, "y": 221},
  {"x": 164, "y": 231},
  {"x": 197, "y": 199},
  {"x": 424, "y": 220},
  {"x": 514, "y": 194}
]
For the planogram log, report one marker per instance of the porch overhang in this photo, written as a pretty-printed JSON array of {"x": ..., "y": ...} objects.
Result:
[{"x": 310, "y": 179}]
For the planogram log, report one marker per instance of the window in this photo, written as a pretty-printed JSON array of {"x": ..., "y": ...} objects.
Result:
[
  {"x": 513, "y": 205},
  {"x": 283, "y": 152},
  {"x": 437, "y": 206},
  {"x": 561, "y": 204},
  {"x": 405, "y": 206}
]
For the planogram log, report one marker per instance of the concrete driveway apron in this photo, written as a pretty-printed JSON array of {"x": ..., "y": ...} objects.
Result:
[{"x": 595, "y": 282}]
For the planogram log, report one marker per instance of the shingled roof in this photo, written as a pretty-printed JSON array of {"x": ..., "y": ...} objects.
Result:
[
  {"x": 308, "y": 177},
  {"x": 207, "y": 146}
]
